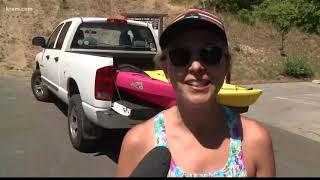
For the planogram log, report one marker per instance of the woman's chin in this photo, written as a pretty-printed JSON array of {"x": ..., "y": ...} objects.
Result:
[
  {"x": 197, "y": 96},
  {"x": 199, "y": 99}
]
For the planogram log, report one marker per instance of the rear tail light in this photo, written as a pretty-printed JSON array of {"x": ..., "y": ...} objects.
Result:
[
  {"x": 104, "y": 84},
  {"x": 116, "y": 21}
]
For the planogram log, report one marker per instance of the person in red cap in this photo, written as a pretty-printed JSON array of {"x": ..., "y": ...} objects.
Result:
[{"x": 205, "y": 138}]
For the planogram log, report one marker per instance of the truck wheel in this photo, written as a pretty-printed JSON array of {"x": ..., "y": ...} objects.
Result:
[
  {"x": 39, "y": 90},
  {"x": 79, "y": 126}
]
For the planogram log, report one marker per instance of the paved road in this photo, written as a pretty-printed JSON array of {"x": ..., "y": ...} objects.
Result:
[
  {"x": 34, "y": 139},
  {"x": 291, "y": 106}
]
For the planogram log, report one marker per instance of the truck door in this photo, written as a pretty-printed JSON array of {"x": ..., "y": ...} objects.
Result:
[
  {"x": 55, "y": 74},
  {"x": 49, "y": 57}
]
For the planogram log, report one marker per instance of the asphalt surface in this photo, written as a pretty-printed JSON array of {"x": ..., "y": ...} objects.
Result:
[
  {"x": 291, "y": 106},
  {"x": 34, "y": 139}
]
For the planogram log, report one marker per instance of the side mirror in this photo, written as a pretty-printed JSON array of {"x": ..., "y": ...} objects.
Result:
[{"x": 39, "y": 41}]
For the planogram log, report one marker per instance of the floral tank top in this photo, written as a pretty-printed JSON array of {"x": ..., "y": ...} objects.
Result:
[{"x": 234, "y": 166}]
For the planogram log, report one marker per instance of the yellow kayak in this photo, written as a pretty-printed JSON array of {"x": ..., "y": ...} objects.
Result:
[
  {"x": 229, "y": 94},
  {"x": 157, "y": 74},
  {"x": 236, "y": 96}
]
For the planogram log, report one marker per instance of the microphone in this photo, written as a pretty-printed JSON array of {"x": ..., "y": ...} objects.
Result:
[{"x": 155, "y": 164}]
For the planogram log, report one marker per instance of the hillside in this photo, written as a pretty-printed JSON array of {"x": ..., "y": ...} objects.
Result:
[{"x": 255, "y": 49}]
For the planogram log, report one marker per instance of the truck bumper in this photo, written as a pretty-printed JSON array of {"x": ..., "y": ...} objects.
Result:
[{"x": 108, "y": 118}]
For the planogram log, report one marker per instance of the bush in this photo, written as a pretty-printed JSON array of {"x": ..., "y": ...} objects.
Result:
[
  {"x": 297, "y": 67},
  {"x": 284, "y": 14},
  {"x": 246, "y": 17},
  {"x": 232, "y": 6},
  {"x": 64, "y": 4}
]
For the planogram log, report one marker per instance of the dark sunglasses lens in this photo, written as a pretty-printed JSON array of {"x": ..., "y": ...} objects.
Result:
[
  {"x": 211, "y": 55},
  {"x": 179, "y": 57}
]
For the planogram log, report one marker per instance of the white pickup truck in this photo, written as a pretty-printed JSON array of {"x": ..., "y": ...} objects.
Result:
[{"x": 77, "y": 65}]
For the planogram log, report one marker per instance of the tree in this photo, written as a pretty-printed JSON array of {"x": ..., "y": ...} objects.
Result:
[
  {"x": 282, "y": 14},
  {"x": 309, "y": 15}
]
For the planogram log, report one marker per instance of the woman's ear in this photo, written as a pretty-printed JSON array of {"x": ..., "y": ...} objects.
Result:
[
  {"x": 165, "y": 71},
  {"x": 164, "y": 67},
  {"x": 160, "y": 61},
  {"x": 227, "y": 67}
]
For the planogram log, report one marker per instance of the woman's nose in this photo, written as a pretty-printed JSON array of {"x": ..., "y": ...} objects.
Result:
[{"x": 196, "y": 65}]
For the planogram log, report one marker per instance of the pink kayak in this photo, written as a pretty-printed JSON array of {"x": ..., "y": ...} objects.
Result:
[{"x": 144, "y": 87}]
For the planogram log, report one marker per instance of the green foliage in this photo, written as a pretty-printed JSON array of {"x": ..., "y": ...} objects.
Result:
[
  {"x": 183, "y": 2},
  {"x": 283, "y": 14},
  {"x": 246, "y": 17},
  {"x": 309, "y": 15},
  {"x": 232, "y": 6},
  {"x": 64, "y": 4},
  {"x": 297, "y": 67}
]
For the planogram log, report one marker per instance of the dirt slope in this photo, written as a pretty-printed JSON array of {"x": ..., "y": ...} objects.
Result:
[
  {"x": 39, "y": 17},
  {"x": 255, "y": 49}
]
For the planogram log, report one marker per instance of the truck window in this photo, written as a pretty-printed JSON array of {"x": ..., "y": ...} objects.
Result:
[
  {"x": 63, "y": 34},
  {"x": 53, "y": 37},
  {"x": 97, "y": 35}
]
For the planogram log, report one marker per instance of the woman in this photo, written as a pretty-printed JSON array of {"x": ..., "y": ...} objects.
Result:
[{"x": 204, "y": 138}]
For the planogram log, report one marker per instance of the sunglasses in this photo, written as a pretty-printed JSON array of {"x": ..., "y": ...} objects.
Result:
[{"x": 211, "y": 56}]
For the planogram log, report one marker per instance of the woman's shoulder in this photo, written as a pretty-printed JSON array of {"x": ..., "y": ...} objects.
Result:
[
  {"x": 256, "y": 138},
  {"x": 140, "y": 135},
  {"x": 258, "y": 146},
  {"x": 257, "y": 143},
  {"x": 254, "y": 130},
  {"x": 137, "y": 142}
]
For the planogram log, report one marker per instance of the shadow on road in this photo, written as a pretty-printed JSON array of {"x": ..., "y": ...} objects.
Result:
[
  {"x": 110, "y": 144},
  {"x": 63, "y": 107}
]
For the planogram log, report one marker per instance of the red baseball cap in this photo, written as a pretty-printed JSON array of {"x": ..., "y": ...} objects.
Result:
[{"x": 192, "y": 19}]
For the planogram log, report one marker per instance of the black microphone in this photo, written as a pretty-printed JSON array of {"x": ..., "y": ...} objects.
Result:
[{"x": 155, "y": 164}]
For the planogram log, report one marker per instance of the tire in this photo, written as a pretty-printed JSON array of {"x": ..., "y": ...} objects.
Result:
[
  {"x": 83, "y": 134},
  {"x": 39, "y": 89}
]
